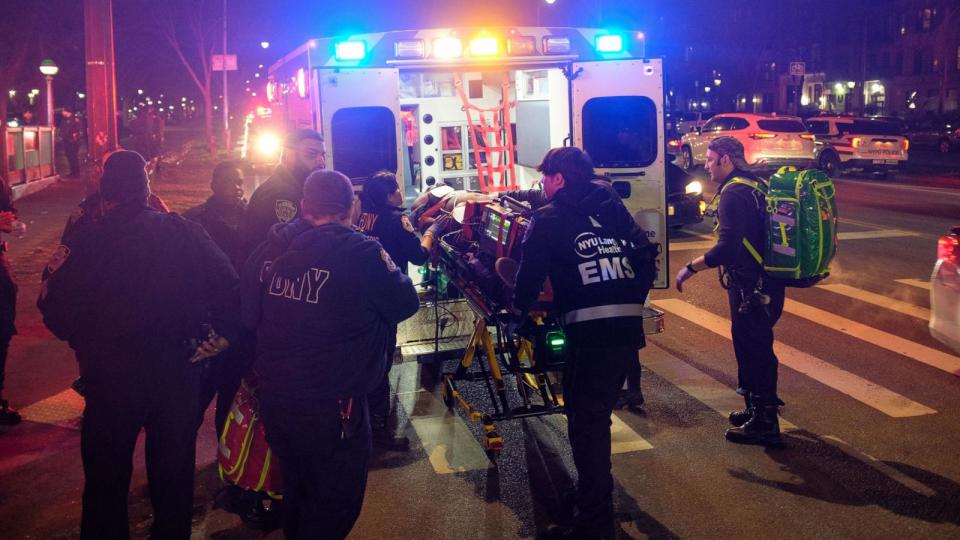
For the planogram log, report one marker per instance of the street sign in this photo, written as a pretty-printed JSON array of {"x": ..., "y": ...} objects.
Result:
[
  {"x": 224, "y": 62},
  {"x": 798, "y": 69}
]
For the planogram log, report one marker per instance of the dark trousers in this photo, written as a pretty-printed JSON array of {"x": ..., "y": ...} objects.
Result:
[
  {"x": 753, "y": 343},
  {"x": 125, "y": 394},
  {"x": 379, "y": 398},
  {"x": 592, "y": 379},
  {"x": 222, "y": 378},
  {"x": 8, "y": 312},
  {"x": 72, "y": 151},
  {"x": 324, "y": 475}
]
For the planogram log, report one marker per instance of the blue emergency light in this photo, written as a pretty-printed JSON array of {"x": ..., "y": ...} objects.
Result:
[
  {"x": 609, "y": 43},
  {"x": 350, "y": 50}
]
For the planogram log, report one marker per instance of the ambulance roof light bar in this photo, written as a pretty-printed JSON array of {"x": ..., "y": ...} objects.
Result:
[
  {"x": 447, "y": 47},
  {"x": 484, "y": 46},
  {"x": 350, "y": 50},
  {"x": 522, "y": 46},
  {"x": 609, "y": 43},
  {"x": 556, "y": 45},
  {"x": 409, "y": 48}
]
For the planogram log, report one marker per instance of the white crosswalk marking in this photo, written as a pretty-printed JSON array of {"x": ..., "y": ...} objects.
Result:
[
  {"x": 722, "y": 399},
  {"x": 878, "y": 300},
  {"x": 920, "y": 353},
  {"x": 918, "y": 283},
  {"x": 63, "y": 409},
  {"x": 703, "y": 245},
  {"x": 864, "y": 391}
]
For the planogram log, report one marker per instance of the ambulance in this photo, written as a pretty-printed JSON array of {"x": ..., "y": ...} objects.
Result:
[{"x": 477, "y": 108}]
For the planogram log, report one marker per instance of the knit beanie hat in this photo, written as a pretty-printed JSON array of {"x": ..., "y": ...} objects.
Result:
[{"x": 124, "y": 178}]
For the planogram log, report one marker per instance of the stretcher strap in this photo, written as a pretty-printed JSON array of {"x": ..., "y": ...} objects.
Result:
[{"x": 493, "y": 121}]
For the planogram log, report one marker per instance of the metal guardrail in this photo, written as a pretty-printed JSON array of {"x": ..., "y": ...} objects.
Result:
[{"x": 29, "y": 152}]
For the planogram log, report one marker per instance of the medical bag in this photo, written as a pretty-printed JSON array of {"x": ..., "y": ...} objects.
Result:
[{"x": 244, "y": 457}]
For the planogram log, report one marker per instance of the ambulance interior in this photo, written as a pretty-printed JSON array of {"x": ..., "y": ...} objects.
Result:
[{"x": 620, "y": 132}]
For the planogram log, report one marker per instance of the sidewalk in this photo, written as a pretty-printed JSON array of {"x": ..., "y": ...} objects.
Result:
[{"x": 40, "y": 468}]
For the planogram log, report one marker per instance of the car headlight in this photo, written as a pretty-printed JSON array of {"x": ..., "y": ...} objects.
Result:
[
  {"x": 268, "y": 145},
  {"x": 694, "y": 188}
]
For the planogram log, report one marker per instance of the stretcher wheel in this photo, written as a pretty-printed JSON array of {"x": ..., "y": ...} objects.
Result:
[{"x": 446, "y": 393}]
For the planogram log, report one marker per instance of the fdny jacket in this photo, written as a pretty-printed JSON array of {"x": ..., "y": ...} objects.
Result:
[
  {"x": 740, "y": 215},
  {"x": 322, "y": 300},
  {"x": 276, "y": 201},
  {"x": 139, "y": 281},
  {"x": 598, "y": 261},
  {"x": 393, "y": 229}
]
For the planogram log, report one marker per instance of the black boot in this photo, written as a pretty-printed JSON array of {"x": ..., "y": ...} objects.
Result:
[
  {"x": 739, "y": 418},
  {"x": 8, "y": 415},
  {"x": 762, "y": 428},
  {"x": 630, "y": 398}
]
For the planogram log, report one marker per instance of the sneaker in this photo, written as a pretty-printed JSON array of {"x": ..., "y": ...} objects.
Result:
[{"x": 8, "y": 415}]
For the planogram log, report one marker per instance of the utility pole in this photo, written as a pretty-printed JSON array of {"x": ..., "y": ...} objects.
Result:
[
  {"x": 101, "y": 78},
  {"x": 226, "y": 109}
]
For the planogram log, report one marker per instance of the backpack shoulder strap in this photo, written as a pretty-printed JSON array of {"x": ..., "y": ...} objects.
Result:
[{"x": 757, "y": 186}]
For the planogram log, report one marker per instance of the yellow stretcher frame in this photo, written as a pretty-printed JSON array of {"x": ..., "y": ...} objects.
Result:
[{"x": 519, "y": 360}]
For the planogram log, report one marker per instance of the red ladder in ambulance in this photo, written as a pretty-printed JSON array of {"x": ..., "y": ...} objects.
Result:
[{"x": 497, "y": 158}]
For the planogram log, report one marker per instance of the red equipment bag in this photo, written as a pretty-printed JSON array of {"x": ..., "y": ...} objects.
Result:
[{"x": 244, "y": 457}]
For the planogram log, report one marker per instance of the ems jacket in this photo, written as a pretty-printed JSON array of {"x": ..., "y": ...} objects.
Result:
[
  {"x": 222, "y": 222},
  {"x": 139, "y": 282},
  {"x": 276, "y": 201},
  {"x": 393, "y": 229},
  {"x": 740, "y": 214},
  {"x": 600, "y": 264},
  {"x": 322, "y": 300}
]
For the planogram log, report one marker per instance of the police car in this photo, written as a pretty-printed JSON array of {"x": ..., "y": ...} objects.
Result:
[
  {"x": 846, "y": 142},
  {"x": 477, "y": 109}
]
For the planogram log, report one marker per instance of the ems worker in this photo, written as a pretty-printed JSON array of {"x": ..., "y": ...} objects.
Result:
[
  {"x": 601, "y": 266},
  {"x": 756, "y": 302},
  {"x": 278, "y": 199},
  {"x": 130, "y": 294},
  {"x": 383, "y": 219},
  {"x": 323, "y": 298}
]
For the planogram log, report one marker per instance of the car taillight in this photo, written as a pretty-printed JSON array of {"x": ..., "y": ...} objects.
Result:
[
  {"x": 856, "y": 142},
  {"x": 673, "y": 143},
  {"x": 758, "y": 136},
  {"x": 948, "y": 248},
  {"x": 906, "y": 145},
  {"x": 807, "y": 136}
]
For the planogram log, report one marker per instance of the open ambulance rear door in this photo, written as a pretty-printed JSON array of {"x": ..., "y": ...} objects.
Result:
[
  {"x": 360, "y": 120},
  {"x": 617, "y": 116}
]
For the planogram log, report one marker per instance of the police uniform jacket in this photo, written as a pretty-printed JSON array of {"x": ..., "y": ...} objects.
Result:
[
  {"x": 393, "y": 229},
  {"x": 276, "y": 201},
  {"x": 322, "y": 300},
  {"x": 222, "y": 222},
  {"x": 599, "y": 264},
  {"x": 740, "y": 214},
  {"x": 139, "y": 282}
]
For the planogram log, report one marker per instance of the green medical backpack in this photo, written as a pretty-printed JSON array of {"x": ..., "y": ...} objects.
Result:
[{"x": 801, "y": 225}]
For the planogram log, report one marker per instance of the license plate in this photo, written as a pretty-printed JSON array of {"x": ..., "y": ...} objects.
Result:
[{"x": 884, "y": 162}]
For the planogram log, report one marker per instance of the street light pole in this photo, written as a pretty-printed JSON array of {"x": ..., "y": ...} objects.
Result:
[
  {"x": 226, "y": 110},
  {"x": 49, "y": 69}
]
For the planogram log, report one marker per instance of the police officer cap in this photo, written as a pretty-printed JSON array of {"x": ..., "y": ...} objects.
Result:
[
  {"x": 327, "y": 192},
  {"x": 729, "y": 146},
  {"x": 124, "y": 177}
]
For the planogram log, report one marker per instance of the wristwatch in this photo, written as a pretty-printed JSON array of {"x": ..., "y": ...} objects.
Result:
[{"x": 690, "y": 267}]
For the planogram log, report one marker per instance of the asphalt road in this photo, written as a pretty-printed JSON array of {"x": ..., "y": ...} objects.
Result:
[{"x": 871, "y": 415}]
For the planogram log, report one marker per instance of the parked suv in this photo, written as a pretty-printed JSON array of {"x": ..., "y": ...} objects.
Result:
[
  {"x": 777, "y": 140},
  {"x": 847, "y": 142}
]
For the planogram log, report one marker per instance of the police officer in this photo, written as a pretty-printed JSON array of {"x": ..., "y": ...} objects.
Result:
[
  {"x": 71, "y": 132},
  {"x": 323, "y": 299},
  {"x": 756, "y": 302},
  {"x": 129, "y": 293},
  {"x": 278, "y": 199},
  {"x": 384, "y": 220},
  {"x": 601, "y": 266}
]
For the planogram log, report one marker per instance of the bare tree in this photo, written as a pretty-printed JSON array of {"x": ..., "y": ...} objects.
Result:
[{"x": 190, "y": 28}]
